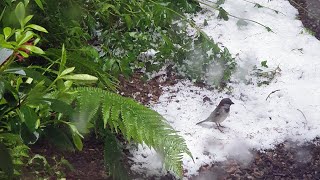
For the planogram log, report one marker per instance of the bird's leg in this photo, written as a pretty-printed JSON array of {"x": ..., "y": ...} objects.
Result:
[
  {"x": 218, "y": 126},
  {"x": 220, "y": 129},
  {"x": 221, "y": 125}
]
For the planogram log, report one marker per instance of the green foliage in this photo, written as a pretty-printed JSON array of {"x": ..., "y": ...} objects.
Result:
[
  {"x": 122, "y": 31},
  {"x": 113, "y": 156},
  {"x": 42, "y": 168},
  {"x": 6, "y": 164},
  {"x": 223, "y": 14},
  {"x": 264, "y": 75},
  {"x": 29, "y": 101},
  {"x": 264, "y": 64},
  {"x": 56, "y": 103},
  {"x": 136, "y": 122},
  {"x": 13, "y": 154}
]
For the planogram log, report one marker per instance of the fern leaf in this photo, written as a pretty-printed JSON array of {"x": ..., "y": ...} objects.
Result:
[
  {"x": 89, "y": 103},
  {"x": 106, "y": 109},
  {"x": 136, "y": 122},
  {"x": 113, "y": 157},
  {"x": 115, "y": 113}
]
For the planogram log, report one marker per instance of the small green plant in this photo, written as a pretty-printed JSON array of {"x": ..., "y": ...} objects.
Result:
[
  {"x": 309, "y": 31},
  {"x": 264, "y": 76},
  {"x": 41, "y": 168}
]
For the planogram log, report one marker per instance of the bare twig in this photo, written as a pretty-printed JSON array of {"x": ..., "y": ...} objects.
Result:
[
  {"x": 304, "y": 118},
  {"x": 272, "y": 93},
  {"x": 257, "y": 4}
]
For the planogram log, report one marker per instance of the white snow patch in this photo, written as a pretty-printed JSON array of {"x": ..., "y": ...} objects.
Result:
[{"x": 254, "y": 122}]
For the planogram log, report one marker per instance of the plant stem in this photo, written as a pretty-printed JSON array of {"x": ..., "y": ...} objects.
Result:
[
  {"x": 216, "y": 8},
  {"x": 7, "y": 62}
]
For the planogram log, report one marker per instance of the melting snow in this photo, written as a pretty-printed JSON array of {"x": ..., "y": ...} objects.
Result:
[{"x": 254, "y": 122}]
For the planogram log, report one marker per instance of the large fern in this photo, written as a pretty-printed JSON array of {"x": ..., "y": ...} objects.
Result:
[{"x": 135, "y": 121}]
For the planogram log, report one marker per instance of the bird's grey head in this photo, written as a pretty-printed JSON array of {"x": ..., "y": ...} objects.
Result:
[{"x": 225, "y": 101}]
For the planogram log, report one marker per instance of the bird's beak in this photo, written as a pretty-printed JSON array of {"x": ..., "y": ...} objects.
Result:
[{"x": 232, "y": 102}]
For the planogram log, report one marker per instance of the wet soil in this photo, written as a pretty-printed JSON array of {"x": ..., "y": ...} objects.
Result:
[
  {"x": 309, "y": 14},
  {"x": 287, "y": 161}
]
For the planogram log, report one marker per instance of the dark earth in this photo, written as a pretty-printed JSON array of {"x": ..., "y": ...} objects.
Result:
[
  {"x": 309, "y": 14},
  {"x": 287, "y": 160}
]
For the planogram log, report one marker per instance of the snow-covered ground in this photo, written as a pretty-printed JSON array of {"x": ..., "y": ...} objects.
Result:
[{"x": 292, "y": 112}]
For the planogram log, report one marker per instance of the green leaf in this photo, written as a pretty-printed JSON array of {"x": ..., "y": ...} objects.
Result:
[
  {"x": 10, "y": 94},
  {"x": 39, "y": 3},
  {"x": 268, "y": 29},
  {"x": 2, "y": 89},
  {"x": 264, "y": 64},
  {"x": 34, "y": 49},
  {"x": 223, "y": 14},
  {"x": 24, "y": 54},
  {"x": 76, "y": 137},
  {"x": 27, "y": 19},
  {"x": 60, "y": 106},
  {"x": 37, "y": 76},
  {"x": 6, "y": 164},
  {"x": 29, "y": 116},
  {"x": 106, "y": 7},
  {"x": 35, "y": 94},
  {"x": 20, "y": 12},
  {"x": 80, "y": 77},
  {"x": 258, "y": 5},
  {"x": 35, "y": 42},
  {"x": 25, "y": 37},
  {"x": 26, "y": 2},
  {"x": 2, "y": 13},
  {"x": 67, "y": 71},
  {"x": 89, "y": 104},
  {"x": 77, "y": 141},
  {"x": 37, "y": 27},
  {"x": 28, "y": 137},
  {"x": 58, "y": 137},
  {"x": 128, "y": 21},
  {"x": 63, "y": 59},
  {"x": 7, "y": 32},
  {"x": 220, "y": 2},
  {"x": 113, "y": 157},
  {"x": 106, "y": 108}
]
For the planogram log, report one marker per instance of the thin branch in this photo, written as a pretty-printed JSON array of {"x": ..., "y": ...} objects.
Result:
[
  {"x": 216, "y": 8},
  {"x": 272, "y": 93},
  {"x": 304, "y": 118},
  {"x": 257, "y": 4}
]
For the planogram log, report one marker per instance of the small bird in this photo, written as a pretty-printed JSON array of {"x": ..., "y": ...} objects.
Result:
[{"x": 220, "y": 113}]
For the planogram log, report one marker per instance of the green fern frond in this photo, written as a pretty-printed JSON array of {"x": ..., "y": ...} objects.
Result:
[
  {"x": 136, "y": 122},
  {"x": 113, "y": 157}
]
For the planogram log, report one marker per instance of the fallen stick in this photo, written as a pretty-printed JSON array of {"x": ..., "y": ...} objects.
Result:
[
  {"x": 272, "y": 93},
  {"x": 304, "y": 118}
]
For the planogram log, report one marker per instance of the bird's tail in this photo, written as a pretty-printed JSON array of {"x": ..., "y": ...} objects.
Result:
[{"x": 202, "y": 121}]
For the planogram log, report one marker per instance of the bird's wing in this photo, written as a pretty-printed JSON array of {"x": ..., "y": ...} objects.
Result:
[{"x": 217, "y": 113}]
